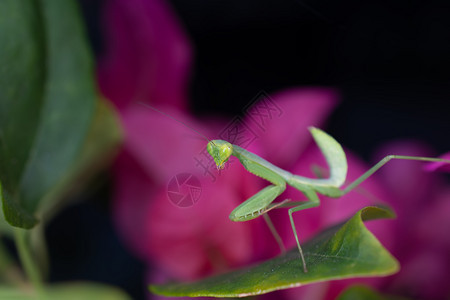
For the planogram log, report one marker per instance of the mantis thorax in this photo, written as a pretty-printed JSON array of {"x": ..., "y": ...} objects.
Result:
[{"x": 220, "y": 151}]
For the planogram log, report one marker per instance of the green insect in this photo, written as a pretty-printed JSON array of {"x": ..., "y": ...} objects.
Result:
[{"x": 262, "y": 202}]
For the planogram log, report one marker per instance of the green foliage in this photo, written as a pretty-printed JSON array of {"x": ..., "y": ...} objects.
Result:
[
  {"x": 343, "y": 251},
  {"x": 53, "y": 126},
  {"x": 72, "y": 291},
  {"x": 54, "y": 131},
  {"x": 361, "y": 292}
]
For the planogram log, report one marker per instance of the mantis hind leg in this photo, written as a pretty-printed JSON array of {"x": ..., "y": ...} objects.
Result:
[{"x": 313, "y": 202}]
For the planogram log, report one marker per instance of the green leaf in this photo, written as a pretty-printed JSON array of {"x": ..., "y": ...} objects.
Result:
[
  {"x": 344, "y": 251},
  {"x": 5, "y": 228},
  {"x": 6, "y": 263},
  {"x": 53, "y": 127},
  {"x": 68, "y": 291},
  {"x": 361, "y": 292}
]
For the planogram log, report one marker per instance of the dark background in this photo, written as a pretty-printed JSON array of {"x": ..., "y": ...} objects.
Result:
[{"x": 389, "y": 59}]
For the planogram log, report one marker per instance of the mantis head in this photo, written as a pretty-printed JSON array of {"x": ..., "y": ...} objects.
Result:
[{"x": 220, "y": 151}]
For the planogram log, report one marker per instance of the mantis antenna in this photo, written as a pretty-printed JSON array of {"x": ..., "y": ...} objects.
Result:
[{"x": 181, "y": 122}]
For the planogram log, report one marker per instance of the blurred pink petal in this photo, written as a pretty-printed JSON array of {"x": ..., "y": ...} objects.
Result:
[
  {"x": 424, "y": 275},
  {"x": 422, "y": 205},
  {"x": 198, "y": 240},
  {"x": 434, "y": 222},
  {"x": 282, "y": 134},
  {"x": 160, "y": 144},
  {"x": 185, "y": 242},
  {"x": 312, "y": 291},
  {"x": 439, "y": 166},
  {"x": 147, "y": 56},
  {"x": 133, "y": 189},
  {"x": 406, "y": 179}
]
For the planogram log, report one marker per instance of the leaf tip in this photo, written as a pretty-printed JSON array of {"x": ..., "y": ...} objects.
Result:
[{"x": 377, "y": 212}]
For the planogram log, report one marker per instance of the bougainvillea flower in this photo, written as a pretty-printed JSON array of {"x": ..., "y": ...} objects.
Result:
[
  {"x": 147, "y": 60},
  {"x": 147, "y": 56},
  {"x": 190, "y": 242},
  {"x": 422, "y": 245}
]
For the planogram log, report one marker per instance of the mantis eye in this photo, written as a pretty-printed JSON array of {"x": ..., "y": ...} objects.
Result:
[{"x": 220, "y": 152}]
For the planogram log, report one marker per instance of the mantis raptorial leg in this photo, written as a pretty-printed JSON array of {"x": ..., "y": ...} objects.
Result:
[{"x": 260, "y": 203}]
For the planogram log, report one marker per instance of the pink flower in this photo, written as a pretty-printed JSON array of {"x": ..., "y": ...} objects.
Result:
[
  {"x": 422, "y": 202},
  {"x": 147, "y": 55},
  {"x": 187, "y": 243},
  {"x": 148, "y": 60},
  {"x": 143, "y": 64}
]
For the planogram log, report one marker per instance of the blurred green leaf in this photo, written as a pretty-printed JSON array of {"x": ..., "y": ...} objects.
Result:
[
  {"x": 54, "y": 129},
  {"x": 5, "y": 228},
  {"x": 69, "y": 291},
  {"x": 6, "y": 262},
  {"x": 361, "y": 292},
  {"x": 344, "y": 251}
]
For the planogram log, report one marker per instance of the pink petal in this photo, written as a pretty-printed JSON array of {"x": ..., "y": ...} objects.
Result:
[
  {"x": 190, "y": 242},
  {"x": 316, "y": 291},
  {"x": 184, "y": 242},
  {"x": 441, "y": 166},
  {"x": 424, "y": 275},
  {"x": 280, "y": 122},
  {"x": 163, "y": 146},
  {"x": 147, "y": 56},
  {"x": 434, "y": 221},
  {"x": 406, "y": 179},
  {"x": 133, "y": 189}
]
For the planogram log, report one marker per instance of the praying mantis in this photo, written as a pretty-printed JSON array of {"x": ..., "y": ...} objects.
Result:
[{"x": 262, "y": 202}]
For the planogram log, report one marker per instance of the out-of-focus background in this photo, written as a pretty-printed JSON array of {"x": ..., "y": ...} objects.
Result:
[{"x": 389, "y": 60}]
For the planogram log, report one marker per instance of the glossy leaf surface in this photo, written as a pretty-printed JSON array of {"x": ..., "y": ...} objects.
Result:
[
  {"x": 344, "y": 251},
  {"x": 53, "y": 126}
]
